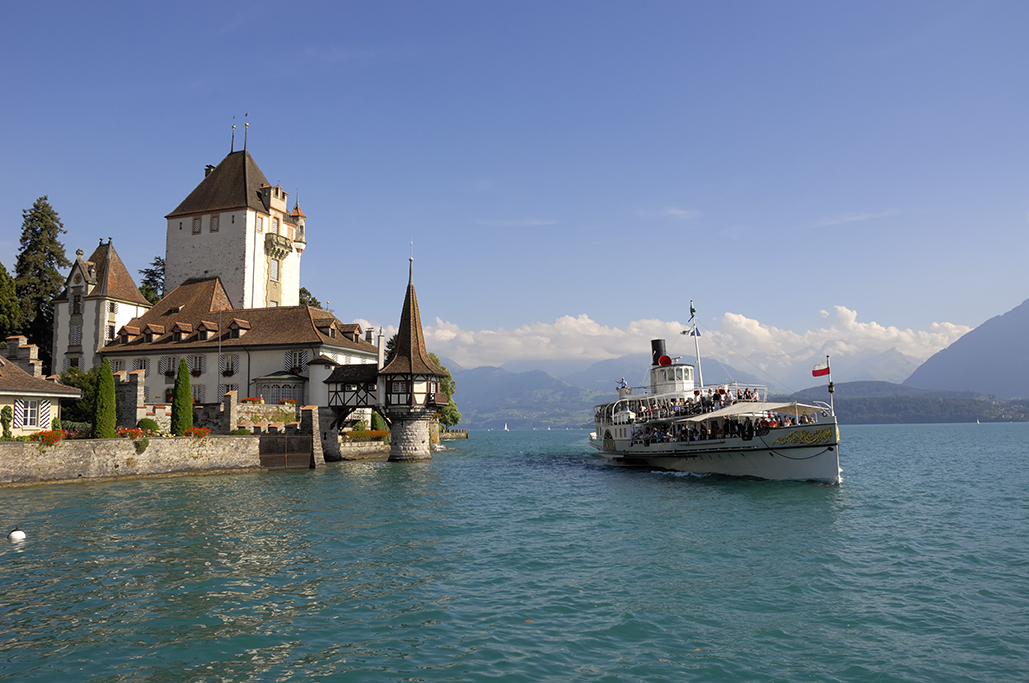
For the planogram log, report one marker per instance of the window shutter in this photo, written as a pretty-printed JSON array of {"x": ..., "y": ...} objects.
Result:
[
  {"x": 19, "y": 412},
  {"x": 44, "y": 413}
]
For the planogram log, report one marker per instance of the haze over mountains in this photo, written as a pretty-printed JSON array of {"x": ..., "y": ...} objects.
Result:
[{"x": 987, "y": 362}]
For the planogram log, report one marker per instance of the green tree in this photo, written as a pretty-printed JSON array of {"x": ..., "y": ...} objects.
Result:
[
  {"x": 152, "y": 284},
  {"x": 182, "y": 401},
  {"x": 37, "y": 274},
  {"x": 378, "y": 423},
  {"x": 10, "y": 308},
  {"x": 307, "y": 299},
  {"x": 86, "y": 382},
  {"x": 105, "y": 414},
  {"x": 391, "y": 348},
  {"x": 448, "y": 414}
]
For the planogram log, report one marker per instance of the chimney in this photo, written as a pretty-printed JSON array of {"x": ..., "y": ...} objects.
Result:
[
  {"x": 208, "y": 169},
  {"x": 657, "y": 351}
]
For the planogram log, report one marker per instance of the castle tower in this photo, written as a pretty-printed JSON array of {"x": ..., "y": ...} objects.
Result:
[
  {"x": 236, "y": 226},
  {"x": 99, "y": 297},
  {"x": 408, "y": 386}
]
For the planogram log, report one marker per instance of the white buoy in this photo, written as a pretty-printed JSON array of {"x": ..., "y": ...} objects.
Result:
[{"x": 16, "y": 535}]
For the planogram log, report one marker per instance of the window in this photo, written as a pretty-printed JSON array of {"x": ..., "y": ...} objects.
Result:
[
  {"x": 118, "y": 365},
  {"x": 260, "y": 224},
  {"x": 73, "y": 362},
  {"x": 196, "y": 225},
  {"x": 296, "y": 359},
  {"x": 228, "y": 364},
  {"x": 141, "y": 364},
  {"x": 112, "y": 307},
  {"x": 31, "y": 414},
  {"x": 110, "y": 333},
  {"x": 75, "y": 335},
  {"x": 197, "y": 364},
  {"x": 198, "y": 393},
  {"x": 273, "y": 303},
  {"x": 273, "y": 270},
  {"x": 226, "y": 388},
  {"x": 275, "y": 225},
  {"x": 76, "y": 304},
  {"x": 215, "y": 220}
]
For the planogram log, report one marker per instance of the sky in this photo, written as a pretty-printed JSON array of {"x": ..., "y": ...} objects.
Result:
[{"x": 571, "y": 174}]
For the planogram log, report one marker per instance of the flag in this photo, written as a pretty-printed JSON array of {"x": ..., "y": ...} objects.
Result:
[
  {"x": 820, "y": 370},
  {"x": 693, "y": 311},
  {"x": 694, "y": 332}
]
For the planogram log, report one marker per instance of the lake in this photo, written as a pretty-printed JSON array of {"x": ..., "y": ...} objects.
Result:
[{"x": 518, "y": 557}]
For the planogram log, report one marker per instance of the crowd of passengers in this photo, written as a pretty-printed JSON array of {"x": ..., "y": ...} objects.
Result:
[
  {"x": 705, "y": 402},
  {"x": 714, "y": 429}
]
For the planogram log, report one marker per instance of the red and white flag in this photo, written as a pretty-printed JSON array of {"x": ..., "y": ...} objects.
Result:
[{"x": 820, "y": 370}]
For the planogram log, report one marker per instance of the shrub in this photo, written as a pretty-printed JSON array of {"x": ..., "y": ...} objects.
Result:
[
  {"x": 141, "y": 445},
  {"x": 105, "y": 417},
  {"x": 6, "y": 417},
  {"x": 242, "y": 431},
  {"x": 148, "y": 425},
  {"x": 198, "y": 432},
  {"x": 182, "y": 402},
  {"x": 55, "y": 423},
  {"x": 77, "y": 430}
]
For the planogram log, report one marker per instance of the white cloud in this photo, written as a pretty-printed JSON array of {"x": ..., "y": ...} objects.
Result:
[
  {"x": 765, "y": 346},
  {"x": 673, "y": 212},
  {"x": 845, "y": 218}
]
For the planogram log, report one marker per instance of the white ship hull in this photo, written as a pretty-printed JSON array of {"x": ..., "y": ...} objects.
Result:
[{"x": 807, "y": 452}]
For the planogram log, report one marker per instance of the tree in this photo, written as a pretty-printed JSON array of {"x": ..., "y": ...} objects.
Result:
[
  {"x": 182, "y": 401},
  {"x": 105, "y": 414},
  {"x": 307, "y": 299},
  {"x": 10, "y": 308},
  {"x": 391, "y": 348},
  {"x": 37, "y": 276},
  {"x": 86, "y": 382},
  {"x": 152, "y": 284},
  {"x": 448, "y": 414}
]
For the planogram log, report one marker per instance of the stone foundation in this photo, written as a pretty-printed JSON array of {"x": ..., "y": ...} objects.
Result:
[{"x": 409, "y": 435}]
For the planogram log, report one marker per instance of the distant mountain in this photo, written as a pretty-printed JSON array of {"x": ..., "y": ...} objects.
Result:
[
  {"x": 875, "y": 390},
  {"x": 490, "y": 397},
  {"x": 991, "y": 359}
]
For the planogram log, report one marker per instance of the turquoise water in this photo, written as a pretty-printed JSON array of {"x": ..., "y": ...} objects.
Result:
[{"x": 516, "y": 557}]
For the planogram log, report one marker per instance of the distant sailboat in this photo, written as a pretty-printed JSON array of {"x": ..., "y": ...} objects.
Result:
[{"x": 505, "y": 427}]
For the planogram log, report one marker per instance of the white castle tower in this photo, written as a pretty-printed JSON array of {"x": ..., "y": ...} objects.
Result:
[{"x": 237, "y": 227}]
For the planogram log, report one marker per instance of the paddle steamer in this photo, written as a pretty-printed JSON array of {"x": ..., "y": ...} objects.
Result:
[{"x": 677, "y": 423}]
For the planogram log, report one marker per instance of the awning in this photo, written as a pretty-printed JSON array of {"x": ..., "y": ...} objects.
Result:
[{"x": 755, "y": 409}]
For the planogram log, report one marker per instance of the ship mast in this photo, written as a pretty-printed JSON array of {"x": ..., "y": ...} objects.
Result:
[{"x": 695, "y": 333}]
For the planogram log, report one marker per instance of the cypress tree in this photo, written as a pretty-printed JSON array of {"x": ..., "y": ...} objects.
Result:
[
  {"x": 105, "y": 416},
  {"x": 10, "y": 308},
  {"x": 182, "y": 401},
  {"x": 37, "y": 276}
]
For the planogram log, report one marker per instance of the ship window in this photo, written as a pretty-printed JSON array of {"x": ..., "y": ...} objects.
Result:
[{"x": 678, "y": 373}]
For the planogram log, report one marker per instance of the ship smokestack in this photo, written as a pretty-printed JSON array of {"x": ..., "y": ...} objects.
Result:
[{"x": 657, "y": 349}]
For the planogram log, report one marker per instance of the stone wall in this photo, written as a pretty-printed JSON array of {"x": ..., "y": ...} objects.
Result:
[
  {"x": 410, "y": 435},
  {"x": 25, "y": 462}
]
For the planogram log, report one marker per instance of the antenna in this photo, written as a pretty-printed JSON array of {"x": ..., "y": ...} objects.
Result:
[{"x": 232, "y": 147}]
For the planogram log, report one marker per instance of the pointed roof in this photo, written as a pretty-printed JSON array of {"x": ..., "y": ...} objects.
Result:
[
  {"x": 105, "y": 276},
  {"x": 112, "y": 277},
  {"x": 410, "y": 356},
  {"x": 235, "y": 183}
]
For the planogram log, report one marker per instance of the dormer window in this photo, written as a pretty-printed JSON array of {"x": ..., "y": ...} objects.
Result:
[{"x": 148, "y": 337}]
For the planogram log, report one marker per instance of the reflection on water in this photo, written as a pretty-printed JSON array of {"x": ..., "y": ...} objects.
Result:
[{"x": 517, "y": 556}]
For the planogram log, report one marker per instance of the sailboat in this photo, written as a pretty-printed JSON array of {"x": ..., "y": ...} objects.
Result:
[{"x": 505, "y": 427}]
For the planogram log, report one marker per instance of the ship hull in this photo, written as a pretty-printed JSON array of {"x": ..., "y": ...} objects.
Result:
[{"x": 801, "y": 453}]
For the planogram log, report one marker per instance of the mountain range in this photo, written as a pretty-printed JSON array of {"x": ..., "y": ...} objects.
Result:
[{"x": 888, "y": 386}]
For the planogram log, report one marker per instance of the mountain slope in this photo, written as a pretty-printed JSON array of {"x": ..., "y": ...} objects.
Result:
[{"x": 991, "y": 359}]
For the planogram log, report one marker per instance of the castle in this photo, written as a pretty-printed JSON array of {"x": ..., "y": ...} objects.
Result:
[{"x": 231, "y": 309}]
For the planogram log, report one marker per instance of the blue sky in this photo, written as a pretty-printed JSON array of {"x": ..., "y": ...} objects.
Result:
[{"x": 593, "y": 161}]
